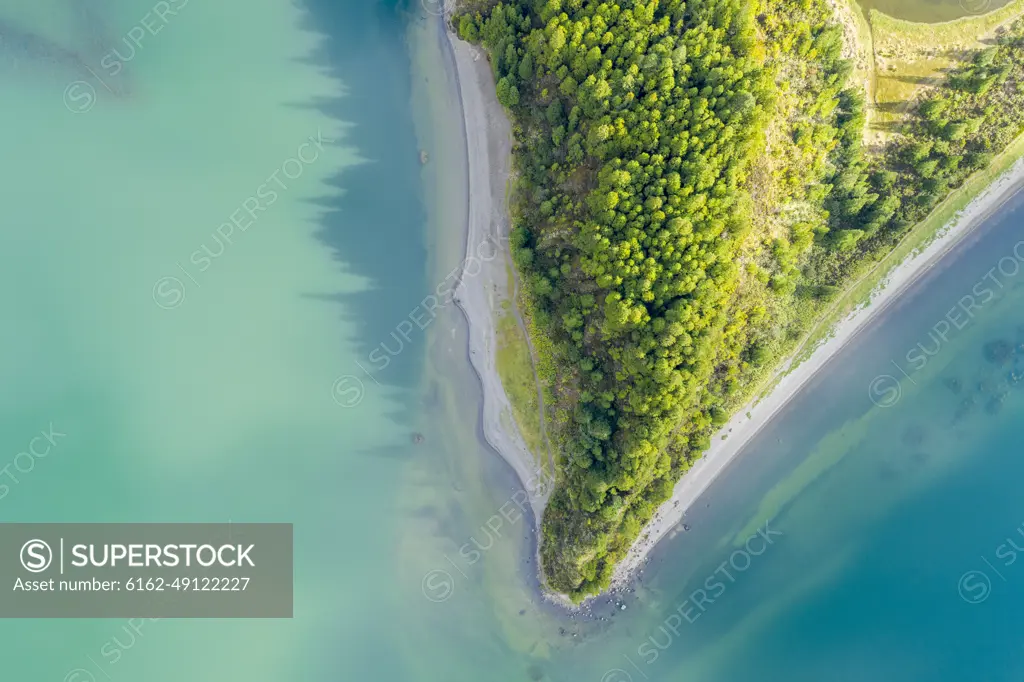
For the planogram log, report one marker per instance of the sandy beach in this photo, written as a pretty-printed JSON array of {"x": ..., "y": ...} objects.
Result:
[
  {"x": 484, "y": 284},
  {"x": 489, "y": 148}
]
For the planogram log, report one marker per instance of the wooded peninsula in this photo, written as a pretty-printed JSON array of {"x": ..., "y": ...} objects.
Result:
[{"x": 696, "y": 183}]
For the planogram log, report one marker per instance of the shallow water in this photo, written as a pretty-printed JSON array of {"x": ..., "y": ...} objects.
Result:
[
  {"x": 201, "y": 379},
  {"x": 886, "y": 492},
  {"x": 932, "y": 11}
]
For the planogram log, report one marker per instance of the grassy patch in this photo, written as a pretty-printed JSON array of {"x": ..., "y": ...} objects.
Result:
[
  {"x": 910, "y": 56},
  {"x": 859, "y": 48},
  {"x": 516, "y": 371}
]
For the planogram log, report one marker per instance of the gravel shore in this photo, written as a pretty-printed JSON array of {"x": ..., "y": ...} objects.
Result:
[{"x": 484, "y": 284}]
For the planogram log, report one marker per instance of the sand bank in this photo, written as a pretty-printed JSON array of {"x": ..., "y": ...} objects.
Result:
[{"x": 484, "y": 284}]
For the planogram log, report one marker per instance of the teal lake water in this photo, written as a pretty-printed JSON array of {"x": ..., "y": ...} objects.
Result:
[{"x": 202, "y": 376}]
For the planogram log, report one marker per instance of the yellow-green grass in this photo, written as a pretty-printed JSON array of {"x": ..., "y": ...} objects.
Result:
[
  {"x": 884, "y": 30},
  {"x": 910, "y": 56},
  {"x": 516, "y": 371},
  {"x": 542, "y": 358},
  {"x": 856, "y": 23},
  {"x": 860, "y": 291}
]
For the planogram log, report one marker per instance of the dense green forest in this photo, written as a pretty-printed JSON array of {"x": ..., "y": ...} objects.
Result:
[{"x": 691, "y": 191}]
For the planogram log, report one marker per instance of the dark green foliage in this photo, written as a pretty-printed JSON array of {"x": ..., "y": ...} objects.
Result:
[
  {"x": 636, "y": 127},
  {"x": 954, "y": 133},
  {"x": 637, "y": 122}
]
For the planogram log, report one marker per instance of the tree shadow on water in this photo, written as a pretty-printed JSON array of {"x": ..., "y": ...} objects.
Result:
[
  {"x": 85, "y": 59},
  {"x": 374, "y": 222}
]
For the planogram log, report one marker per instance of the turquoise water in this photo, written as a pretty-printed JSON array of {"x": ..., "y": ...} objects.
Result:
[
  {"x": 193, "y": 378},
  {"x": 882, "y": 508}
]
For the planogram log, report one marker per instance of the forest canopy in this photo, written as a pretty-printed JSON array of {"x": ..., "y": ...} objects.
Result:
[{"x": 691, "y": 192}]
